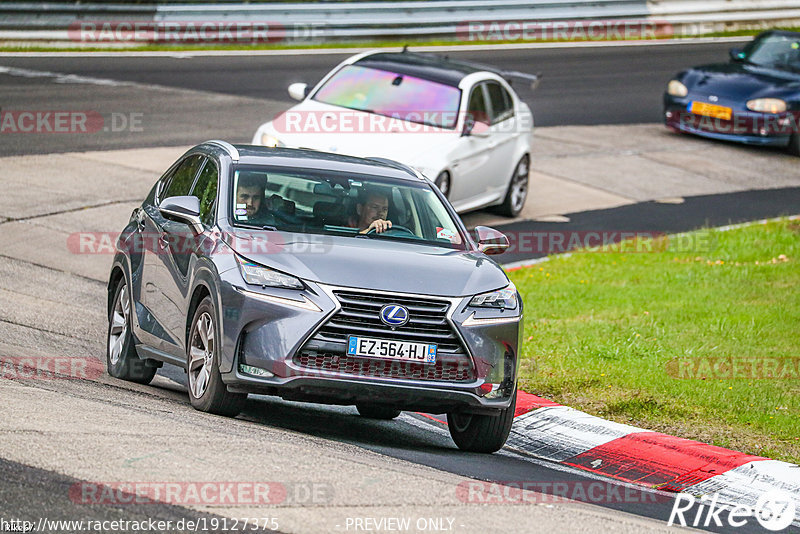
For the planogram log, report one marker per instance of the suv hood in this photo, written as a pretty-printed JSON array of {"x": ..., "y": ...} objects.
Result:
[{"x": 372, "y": 263}]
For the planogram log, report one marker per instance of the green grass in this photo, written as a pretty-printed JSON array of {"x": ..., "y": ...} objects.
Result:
[
  {"x": 602, "y": 327},
  {"x": 321, "y": 45}
]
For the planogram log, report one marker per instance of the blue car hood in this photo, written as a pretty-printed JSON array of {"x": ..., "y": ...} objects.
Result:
[
  {"x": 739, "y": 80},
  {"x": 372, "y": 263}
]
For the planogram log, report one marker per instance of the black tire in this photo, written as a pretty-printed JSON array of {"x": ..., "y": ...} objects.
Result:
[
  {"x": 122, "y": 360},
  {"x": 517, "y": 192},
  {"x": 377, "y": 412},
  {"x": 481, "y": 433},
  {"x": 794, "y": 144},
  {"x": 444, "y": 183},
  {"x": 212, "y": 396}
]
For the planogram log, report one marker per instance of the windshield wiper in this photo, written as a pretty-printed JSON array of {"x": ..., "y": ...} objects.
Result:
[
  {"x": 784, "y": 66},
  {"x": 257, "y": 227},
  {"x": 777, "y": 66}
]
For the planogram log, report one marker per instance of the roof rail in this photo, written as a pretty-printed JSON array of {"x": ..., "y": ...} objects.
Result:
[
  {"x": 229, "y": 148},
  {"x": 393, "y": 163}
]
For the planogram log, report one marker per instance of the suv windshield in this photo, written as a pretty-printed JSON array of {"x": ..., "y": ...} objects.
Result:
[
  {"x": 332, "y": 203},
  {"x": 393, "y": 95},
  {"x": 776, "y": 51}
]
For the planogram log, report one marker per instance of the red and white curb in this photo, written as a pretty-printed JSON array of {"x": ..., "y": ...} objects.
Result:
[{"x": 557, "y": 433}]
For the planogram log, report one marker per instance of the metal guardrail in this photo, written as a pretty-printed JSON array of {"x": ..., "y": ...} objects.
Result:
[{"x": 339, "y": 22}]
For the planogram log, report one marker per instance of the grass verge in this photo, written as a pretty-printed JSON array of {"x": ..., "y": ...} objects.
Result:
[{"x": 703, "y": 344}]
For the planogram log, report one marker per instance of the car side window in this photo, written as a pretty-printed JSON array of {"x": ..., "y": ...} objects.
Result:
[
  {"x": 477, "y": 105},
  {"x": 206, "y": 190},
  {"x": 502, "y": 105},
  {"x": 182, "y": 179}
]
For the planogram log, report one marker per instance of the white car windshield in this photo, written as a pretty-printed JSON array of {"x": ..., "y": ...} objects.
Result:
[
  {"x": 393, "y": 95},
  {"x": 333, "y": 203}
]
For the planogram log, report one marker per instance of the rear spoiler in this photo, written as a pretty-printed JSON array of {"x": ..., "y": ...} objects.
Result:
[
  {"x": 511, "y": 75},
  {"x": 507, "y": 75}
]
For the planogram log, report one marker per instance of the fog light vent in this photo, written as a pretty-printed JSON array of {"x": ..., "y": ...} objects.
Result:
[{"x": 254, "y": 371}]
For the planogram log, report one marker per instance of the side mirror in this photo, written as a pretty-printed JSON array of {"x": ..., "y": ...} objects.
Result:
[
  {"x": 737, "y": 54},
  {"x": 490, "y": 241},
  {"x": 299, "y": 90},
  {"x": 469, "y": 124},
  {"x": 185, "y": 209},
  {"x": 474, "y": 128}
]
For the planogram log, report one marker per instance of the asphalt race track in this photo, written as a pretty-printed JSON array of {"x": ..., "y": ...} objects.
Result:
[
  {"x": 231, "y": 96},
  {"x": 61, "y": 433}
]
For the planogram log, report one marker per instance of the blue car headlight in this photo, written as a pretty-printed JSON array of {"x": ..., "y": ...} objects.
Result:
[
  {"x": 767, "y": 105},
  {"x": 264, "y": 276},
  {"x": 676, "y": 88},
  {"x": 505, "y": 299}
]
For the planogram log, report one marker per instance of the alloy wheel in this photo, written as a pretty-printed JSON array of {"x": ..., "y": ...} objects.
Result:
[
  {"x": 201, "y": 352},
  {"x": 519, "y": 185},
  {"x": 119, "y": 326}
]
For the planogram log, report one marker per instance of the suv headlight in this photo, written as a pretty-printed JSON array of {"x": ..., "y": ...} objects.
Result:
[
  {"x": 505, "y": 298},
  {"x": 767, "y": 105},
  {"x": 271, "y": 141},
  {"x": 263, "y": 276},
  {"x": 676, "y": 88}
]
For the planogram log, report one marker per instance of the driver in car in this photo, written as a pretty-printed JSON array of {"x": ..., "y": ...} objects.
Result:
[
  {"x": 250, "y": 204},
  {"x": 371, "y": 211}
]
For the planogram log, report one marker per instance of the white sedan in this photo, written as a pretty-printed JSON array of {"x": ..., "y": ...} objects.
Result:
[{"x": 460, "y": 124}]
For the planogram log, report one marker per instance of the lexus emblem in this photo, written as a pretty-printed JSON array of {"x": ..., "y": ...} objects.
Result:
[{"x": 394, "y": 315}]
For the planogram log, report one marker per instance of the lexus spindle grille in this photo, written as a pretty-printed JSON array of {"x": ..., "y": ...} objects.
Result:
[{"x": 360, "y": 316}]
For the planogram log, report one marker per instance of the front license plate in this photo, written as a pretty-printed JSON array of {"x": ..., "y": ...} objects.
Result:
[
  {"x": 391, "y": 349},
  {"x": 710, "y": 110}
]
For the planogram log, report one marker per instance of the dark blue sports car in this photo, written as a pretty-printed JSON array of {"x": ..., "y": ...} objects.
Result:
[{"x": 753, "y": 99}]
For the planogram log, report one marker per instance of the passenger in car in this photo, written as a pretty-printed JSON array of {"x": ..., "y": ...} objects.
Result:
[{"x": 371, "y": 211}]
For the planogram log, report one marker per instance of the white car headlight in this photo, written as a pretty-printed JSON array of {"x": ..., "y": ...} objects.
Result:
[
  {"x": 767, "y": 105},
  {"x": 271, "y": 141},
  {"x": 259, "y": 275},
  {"x": 676, "y": 88},
  {"x": 505, "y": 298}
]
